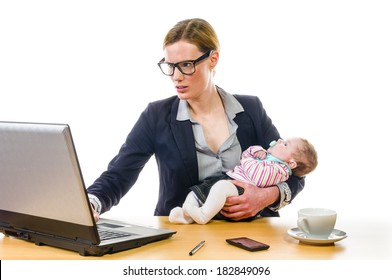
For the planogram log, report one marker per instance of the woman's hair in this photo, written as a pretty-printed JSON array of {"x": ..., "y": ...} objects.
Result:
[
  {"x": 306, "y": 158},
  {"x": 195, "y": 31}
]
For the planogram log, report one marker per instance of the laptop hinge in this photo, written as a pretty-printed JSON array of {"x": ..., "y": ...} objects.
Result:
[{"x": 29, "y": 235}]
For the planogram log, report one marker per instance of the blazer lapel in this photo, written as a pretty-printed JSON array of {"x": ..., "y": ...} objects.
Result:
[{"x": 184, "y": 138}]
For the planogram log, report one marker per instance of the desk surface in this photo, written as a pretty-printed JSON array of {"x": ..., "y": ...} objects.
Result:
[{"x": 366, "y": 240}]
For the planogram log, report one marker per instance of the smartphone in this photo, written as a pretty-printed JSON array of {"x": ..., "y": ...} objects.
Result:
[{"x": 247, "y": 244}]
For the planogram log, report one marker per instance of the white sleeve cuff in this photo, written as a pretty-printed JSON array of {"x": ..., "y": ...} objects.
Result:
[
  {"x": 285, "y": 196},
  {"x": 95, "y": 203}
]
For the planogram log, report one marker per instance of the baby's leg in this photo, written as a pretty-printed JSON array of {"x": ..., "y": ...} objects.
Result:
[
  {"x": 215, "y": 201},
  {"x": 178, "y": 215}
]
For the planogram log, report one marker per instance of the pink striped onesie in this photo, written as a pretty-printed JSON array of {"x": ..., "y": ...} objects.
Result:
[{"x": 260, "y": 172}]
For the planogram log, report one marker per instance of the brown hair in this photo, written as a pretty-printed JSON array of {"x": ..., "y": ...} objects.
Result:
[
  {"x": 306, "y": 158},
  {"x": 195, "y": 31}
]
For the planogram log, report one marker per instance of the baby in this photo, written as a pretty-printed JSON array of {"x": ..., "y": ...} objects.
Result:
[{"x": 258, "y": 167}]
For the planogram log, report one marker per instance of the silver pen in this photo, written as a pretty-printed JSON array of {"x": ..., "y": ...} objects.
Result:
[{"x": 198, "y": 246}]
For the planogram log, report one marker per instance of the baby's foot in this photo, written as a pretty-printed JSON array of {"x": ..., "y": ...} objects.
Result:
[{"x": 178, "y": 216}]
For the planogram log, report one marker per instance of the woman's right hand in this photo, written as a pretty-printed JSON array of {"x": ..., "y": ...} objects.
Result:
[{"x": 95, "y": 214}]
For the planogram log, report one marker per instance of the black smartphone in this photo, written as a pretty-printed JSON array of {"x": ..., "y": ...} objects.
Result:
[{"x": 247, "y": 244}]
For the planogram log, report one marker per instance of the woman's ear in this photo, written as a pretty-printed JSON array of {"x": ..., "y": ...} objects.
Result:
[{"x": 214, "y": 58}]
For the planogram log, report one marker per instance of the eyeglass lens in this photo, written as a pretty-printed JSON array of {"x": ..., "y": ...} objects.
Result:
[{"x": 185, "y": 67}]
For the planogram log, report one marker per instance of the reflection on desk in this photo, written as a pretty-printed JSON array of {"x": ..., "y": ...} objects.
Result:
[{"x": 372, "y": 242}]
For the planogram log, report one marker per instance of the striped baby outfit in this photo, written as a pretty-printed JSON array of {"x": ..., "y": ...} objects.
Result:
[{"x": 260, "y": 172}]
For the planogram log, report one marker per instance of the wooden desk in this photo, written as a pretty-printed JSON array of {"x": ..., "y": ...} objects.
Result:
[{"x": 366, "y": 241}]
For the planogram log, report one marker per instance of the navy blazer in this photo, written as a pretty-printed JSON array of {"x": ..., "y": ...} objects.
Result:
[{"x": 157, "y": 132}]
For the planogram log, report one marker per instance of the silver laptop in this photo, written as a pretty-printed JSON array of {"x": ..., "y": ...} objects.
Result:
[{"x": 43, "y": 198}]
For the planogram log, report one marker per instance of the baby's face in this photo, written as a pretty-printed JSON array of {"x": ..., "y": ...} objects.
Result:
[{"x": 284, "y": 149}]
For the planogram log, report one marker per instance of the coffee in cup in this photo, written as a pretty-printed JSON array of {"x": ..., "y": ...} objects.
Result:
[{"x": 316, "y": 223}]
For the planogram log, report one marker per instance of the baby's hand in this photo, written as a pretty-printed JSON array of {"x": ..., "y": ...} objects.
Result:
[{"x": 261, "y": 154}]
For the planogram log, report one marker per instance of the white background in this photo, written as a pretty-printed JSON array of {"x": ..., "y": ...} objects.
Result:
[{"x": 323, "y": 70}]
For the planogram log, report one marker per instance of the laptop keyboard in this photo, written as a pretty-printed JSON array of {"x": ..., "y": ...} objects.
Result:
[{"x": 107, "y": 234}]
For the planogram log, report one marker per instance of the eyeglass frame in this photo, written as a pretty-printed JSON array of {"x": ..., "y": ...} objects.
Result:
[{"x": 176, "y": 65}]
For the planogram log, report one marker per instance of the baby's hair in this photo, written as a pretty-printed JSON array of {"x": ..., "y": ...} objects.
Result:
[{"x": 306, "y": 158}]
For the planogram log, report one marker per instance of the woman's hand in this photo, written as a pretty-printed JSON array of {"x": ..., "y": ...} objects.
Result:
[
  {"x": 95, "y": 214},
  {"x": 251, "y": 202}
]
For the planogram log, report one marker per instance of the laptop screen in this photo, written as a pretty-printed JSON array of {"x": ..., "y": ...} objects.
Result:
[{"x": 40, "y": 178}]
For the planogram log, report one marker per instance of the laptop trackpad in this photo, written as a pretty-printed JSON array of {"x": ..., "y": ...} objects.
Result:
[{"x": 107, "y": 225}]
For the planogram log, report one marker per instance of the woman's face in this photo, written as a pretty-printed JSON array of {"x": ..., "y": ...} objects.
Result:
[{"x": 190, "y": 87}]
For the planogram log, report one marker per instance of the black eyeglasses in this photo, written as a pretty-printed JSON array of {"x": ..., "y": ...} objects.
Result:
[{"x": 187, "y": 67}]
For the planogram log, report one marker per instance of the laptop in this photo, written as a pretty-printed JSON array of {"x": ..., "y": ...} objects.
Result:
[{"x": 43, "y": 198}]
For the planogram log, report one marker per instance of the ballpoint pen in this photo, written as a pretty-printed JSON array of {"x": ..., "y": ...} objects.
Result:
[{"x": 198, "y": 246}]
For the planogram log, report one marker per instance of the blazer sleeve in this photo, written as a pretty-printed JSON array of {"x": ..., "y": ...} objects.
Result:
[
  {"x": 124, "y": 169},
  {"x": 171, "y": 142}
]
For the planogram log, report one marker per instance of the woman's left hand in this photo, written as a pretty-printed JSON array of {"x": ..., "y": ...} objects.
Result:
[{"x": 251, "y": 202}]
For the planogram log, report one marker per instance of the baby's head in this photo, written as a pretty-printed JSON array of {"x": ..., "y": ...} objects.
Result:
[{"x": 298, "y": 153}]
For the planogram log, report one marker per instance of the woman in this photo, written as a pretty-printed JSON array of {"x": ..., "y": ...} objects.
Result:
[{"x": 197, "y": 134}]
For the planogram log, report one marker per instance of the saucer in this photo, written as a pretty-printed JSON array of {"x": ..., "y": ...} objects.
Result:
[{"x": 335, "y": 236}]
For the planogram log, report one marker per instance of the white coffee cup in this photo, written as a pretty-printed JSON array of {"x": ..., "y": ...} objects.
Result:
[{"x": 317, "y": 223}]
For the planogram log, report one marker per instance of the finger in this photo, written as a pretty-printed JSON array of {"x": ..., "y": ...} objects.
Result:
[
  {"x": 235, "y": 216},
  {"x": 230, "y": 201},
  {"x": 234, "y": 200},
  {"x": 234, "y": 208},
  {"x": 96, "y": 216}
]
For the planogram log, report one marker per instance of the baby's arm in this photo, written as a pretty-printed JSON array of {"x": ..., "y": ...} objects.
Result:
[
  {"x": 260, "y": 154},
  {"x": 255, "y": 152},
  {"x": 265, "y": 173}
]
